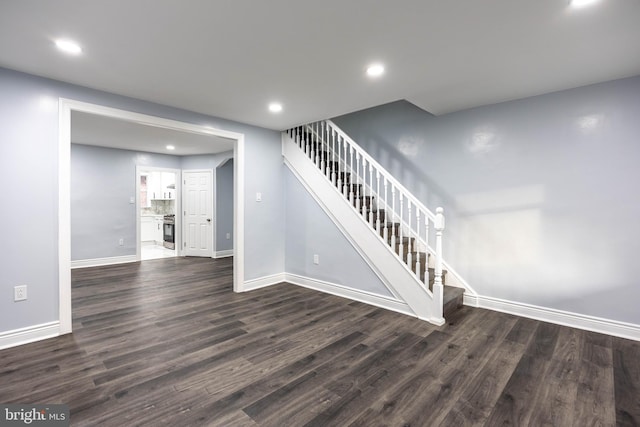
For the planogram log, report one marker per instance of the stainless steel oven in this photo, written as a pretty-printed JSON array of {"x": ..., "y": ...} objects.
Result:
[{"x": 169, "y": 231}]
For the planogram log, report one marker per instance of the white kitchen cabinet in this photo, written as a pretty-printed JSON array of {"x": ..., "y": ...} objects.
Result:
[
  {"x": 151, "y": 229},
  {"x": 147, "y": 228},
  {"x": 158, "y": 231},
  {"x": 159, "y": 183},
  {"x": 168, "y": 184},
  {"x": 155, "y": 185}
]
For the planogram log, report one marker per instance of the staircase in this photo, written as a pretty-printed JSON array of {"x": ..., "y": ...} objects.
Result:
[{"x": 409, "y": 233}]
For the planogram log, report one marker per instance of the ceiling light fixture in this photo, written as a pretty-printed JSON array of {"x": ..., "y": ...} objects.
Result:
[
  {"x": 171, "y": 147},
  {"x": 581, "y": 3},
  {"x": 275, "y": 107},
  {"x": 375, "y": 70},
  {"x": 68, "y": 46}
]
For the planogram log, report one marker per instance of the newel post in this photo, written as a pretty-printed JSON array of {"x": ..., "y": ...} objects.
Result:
[{"x": 437, "y": 283}]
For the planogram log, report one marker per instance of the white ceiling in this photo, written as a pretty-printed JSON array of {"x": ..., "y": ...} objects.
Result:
[
  {"x": 90, "y": 129},
  {"x": 231, "y": 58}
]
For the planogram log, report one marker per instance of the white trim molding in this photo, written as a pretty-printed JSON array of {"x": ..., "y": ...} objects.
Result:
[
  {"x": 349, "y": 293},
  {"x": 223, "y": 254},
  {"x": 97, "y": 262},
  {"x": 559, "y": 317},
  {"x": 263, "y": 282},
  {"x": 388, "y": 303},
  {"x": 29, "y": 334},
  {"x": 65, "y": 108}
]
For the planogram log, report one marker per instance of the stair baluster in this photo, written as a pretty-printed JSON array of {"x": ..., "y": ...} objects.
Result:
[
  {"x": 439, "y": 227},
  {"x": 333, "y": 157},
  {"x": 371, "y": 200},
  {"x": 351, "y": 169},
  {"x": 345, "y": 189},
  {"x": 393, "y": 209},
  {"x": 314, "y": 147},
  {"x": 314, "y": 150},
  {"x": 323, "y": 158},
  {"x": 377, "y": 226},
  {"x": 341, "y": 164},
  {"x": 427, "y": 275},
  {"x": 400, "y": 251},
  {"x": 417, "y": 270},
  {"x": 358, "y": 202},
  {"x": 409, "y": 248},
  {"x": 302, "y": 139},
  {"x": 386, "y": 236}
]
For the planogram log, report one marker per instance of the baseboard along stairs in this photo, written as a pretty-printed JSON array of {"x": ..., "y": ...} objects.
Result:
[{"x": 398, "y": 236}]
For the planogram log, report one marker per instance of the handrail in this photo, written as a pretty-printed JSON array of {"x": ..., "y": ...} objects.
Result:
[{"x": 378, "y": 166}]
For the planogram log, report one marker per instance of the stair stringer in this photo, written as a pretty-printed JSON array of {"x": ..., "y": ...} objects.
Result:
[{"x": 394, "y": 274}]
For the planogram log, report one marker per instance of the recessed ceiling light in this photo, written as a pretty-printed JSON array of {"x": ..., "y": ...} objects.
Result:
[
  {"x": 171, "y": 147},
  {"x": 68, "y": 46},
  {"x": 275, "y": 107},
  {"x": 375, "y": 70},
  {"x": 581, "y": 3}
]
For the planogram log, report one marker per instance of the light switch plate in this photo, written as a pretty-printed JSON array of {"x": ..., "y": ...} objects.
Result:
[{"x": 258, "y": 197}]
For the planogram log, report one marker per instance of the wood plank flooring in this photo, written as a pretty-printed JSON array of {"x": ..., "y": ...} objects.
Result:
[{"x": 167, "y": 342}]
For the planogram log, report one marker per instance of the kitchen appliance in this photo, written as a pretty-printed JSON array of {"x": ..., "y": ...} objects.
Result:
[{"x": 168, "y": 231}]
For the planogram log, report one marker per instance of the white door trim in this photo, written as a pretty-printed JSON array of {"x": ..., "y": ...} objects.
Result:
[
  {"x": 65, "y": 106},
  {"x": 213, "y": 210},
  {"x": 178, "y": 235}
]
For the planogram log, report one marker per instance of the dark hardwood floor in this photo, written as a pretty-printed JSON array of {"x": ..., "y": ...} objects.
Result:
[{"x": 167, "y": 342}]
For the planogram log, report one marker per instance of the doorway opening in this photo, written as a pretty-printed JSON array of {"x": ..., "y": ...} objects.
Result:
[
  {"x": 66, "y": 107},
  {"x": 158, "y": 195}
]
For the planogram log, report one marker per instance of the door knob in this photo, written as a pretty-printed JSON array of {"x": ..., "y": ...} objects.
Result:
[{"x": 208, "y": 219}]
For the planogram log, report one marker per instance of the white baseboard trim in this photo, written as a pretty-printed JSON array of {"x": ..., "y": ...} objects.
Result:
[
  {"x": 262, "y": 282},
  {"x": 29, "y": 334},
  {"x": 223, "y": 254},
  {"x": 349, "y": 293},
  {"x": 96, "y": 262},
  {"x": 566, "y": 318}
]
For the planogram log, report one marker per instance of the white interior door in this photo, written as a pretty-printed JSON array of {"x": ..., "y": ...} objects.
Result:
[{"x": 197, "y": 205}]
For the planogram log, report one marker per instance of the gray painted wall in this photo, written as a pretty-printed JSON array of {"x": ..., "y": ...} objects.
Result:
[
  {"x": 224, "y": 206},
  {"x": 310, "y": 231},
  {"x": 204, "y": 161},
  {"x": 540, "y": 194},
  {"x": 29, "y": 152},
  {"x": 102, "y": 182}
]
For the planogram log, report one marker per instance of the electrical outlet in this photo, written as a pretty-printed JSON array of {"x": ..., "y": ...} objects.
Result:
[
  {"x": 121, "y": 241},
  {"x": 20, "y": 293},
  {"x": 316, "y": 259},
  {"x": 228, "y": 236}
]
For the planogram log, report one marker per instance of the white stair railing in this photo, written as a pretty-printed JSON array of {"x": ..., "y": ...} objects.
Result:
[{"x": 398, "y": 217}]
